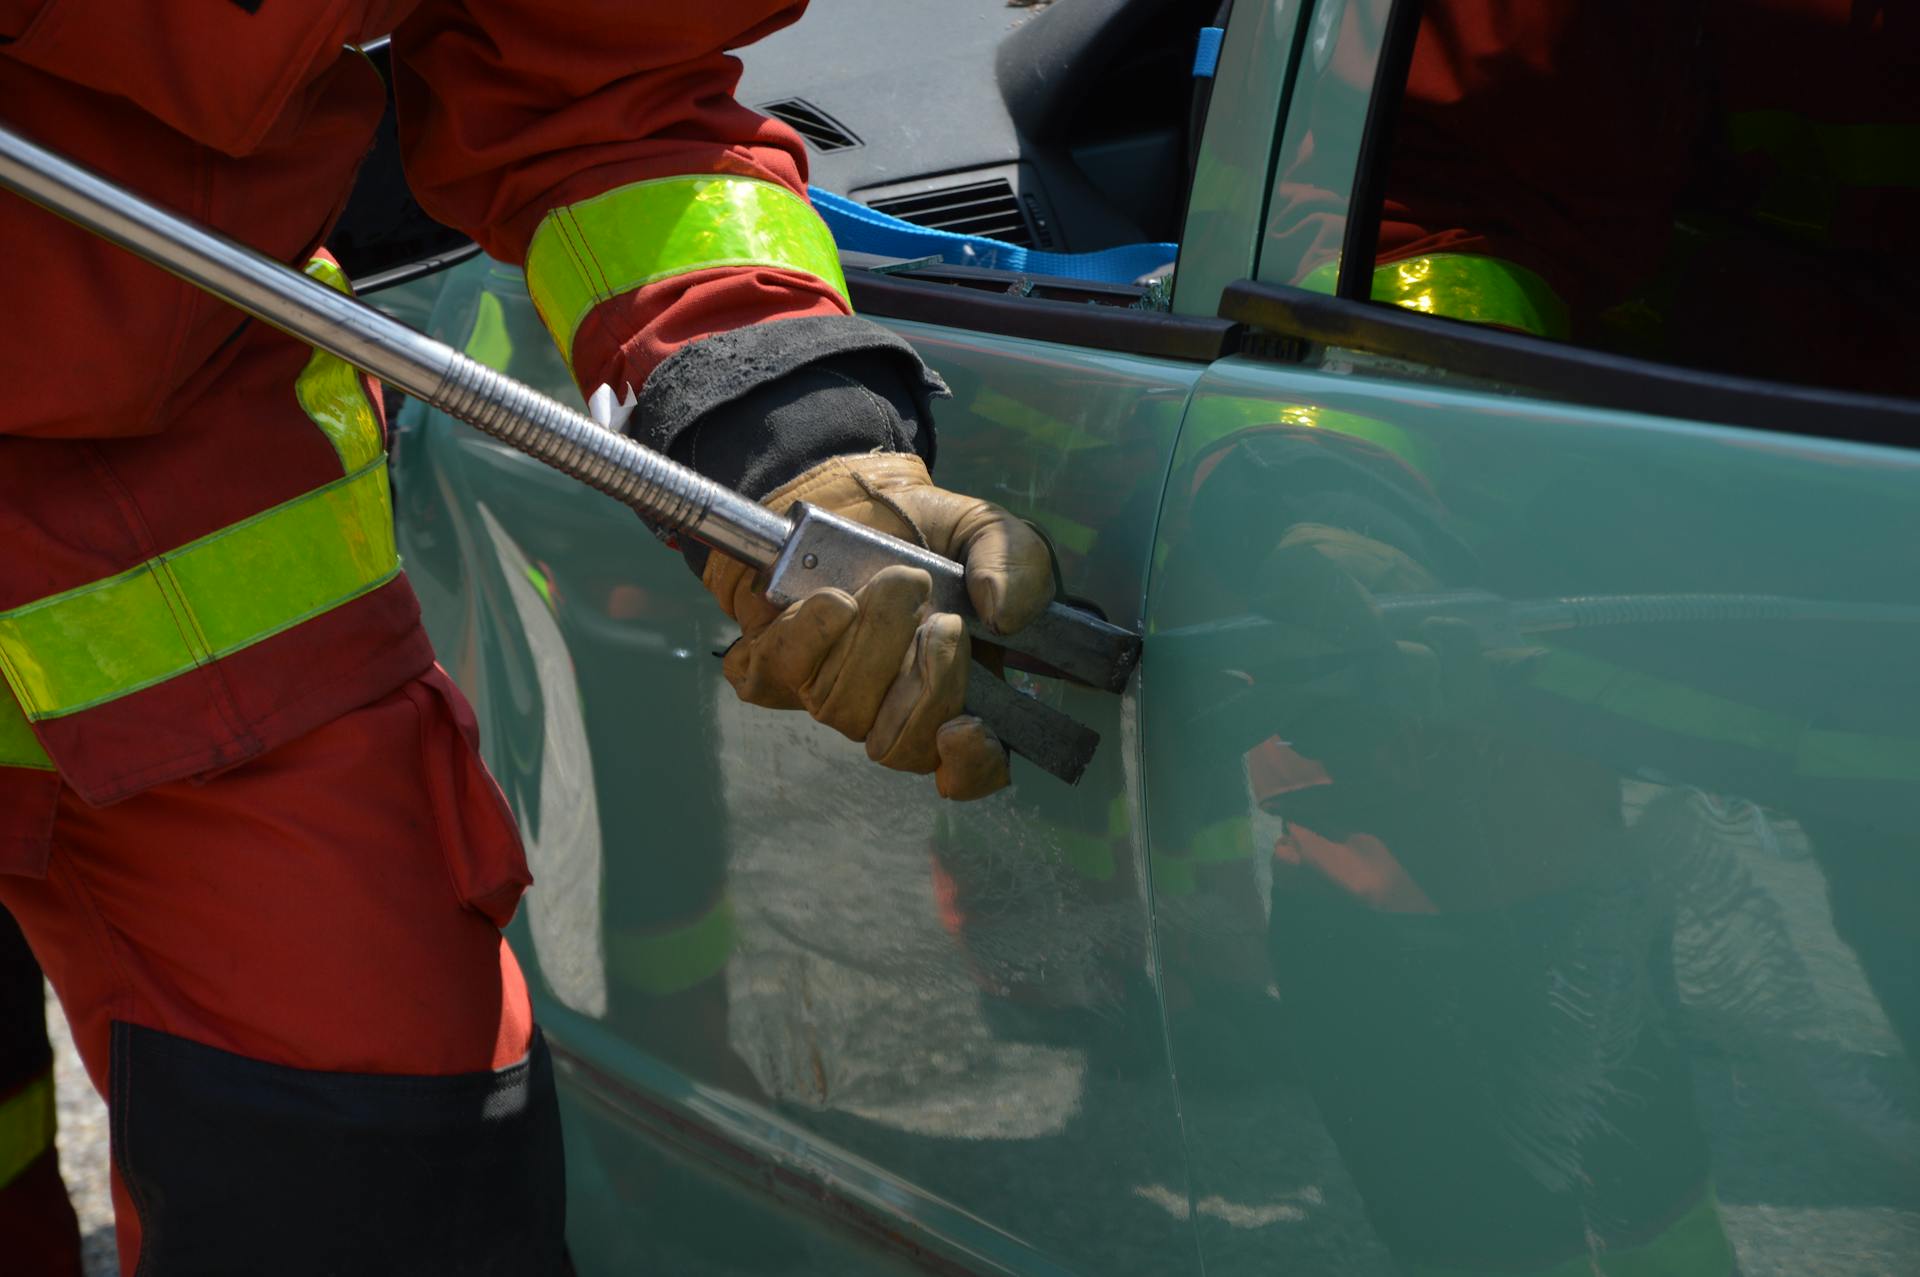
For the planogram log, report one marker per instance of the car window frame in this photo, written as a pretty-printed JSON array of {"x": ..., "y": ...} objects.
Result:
[
  {"x": 1226, "y": 214},
  {"x": 1002, "y": 303}
]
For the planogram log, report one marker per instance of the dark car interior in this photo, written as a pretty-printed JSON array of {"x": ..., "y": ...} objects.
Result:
[
  {"x": 1068, "y": 128},
  {"x": 1063, "y": 128}
]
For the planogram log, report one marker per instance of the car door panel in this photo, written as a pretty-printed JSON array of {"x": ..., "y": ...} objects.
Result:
[
  {"x": 1530, "y": 786},
  {"x": 941, "y": 1017},
  {"x": 1551, "y": 926}
]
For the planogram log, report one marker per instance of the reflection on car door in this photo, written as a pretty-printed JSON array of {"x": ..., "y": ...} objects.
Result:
[
  {"x": 1545, "y": 783},
  {"x": 933, "y": 1019}
]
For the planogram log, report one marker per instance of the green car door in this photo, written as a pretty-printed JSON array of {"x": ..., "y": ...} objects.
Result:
[
  {"x": 940, "y": 1019},
  {"x": 795, "y": 998},
  {"x": 1532, "y": 778},
  {"x": 1504, "y": 862}
]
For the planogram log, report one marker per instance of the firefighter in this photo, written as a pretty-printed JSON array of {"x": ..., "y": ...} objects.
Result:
[{"x": 243, "y": 824}]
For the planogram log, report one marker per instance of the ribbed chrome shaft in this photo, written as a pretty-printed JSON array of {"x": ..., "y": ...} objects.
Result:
[{"x": 571, "y": 442}]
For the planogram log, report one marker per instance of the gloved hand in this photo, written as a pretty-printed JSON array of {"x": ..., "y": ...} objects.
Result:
[{"x": 876, "y": 666}]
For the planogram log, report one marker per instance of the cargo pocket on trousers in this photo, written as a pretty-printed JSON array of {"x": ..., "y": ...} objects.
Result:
[{"x": 478, "y": 836}]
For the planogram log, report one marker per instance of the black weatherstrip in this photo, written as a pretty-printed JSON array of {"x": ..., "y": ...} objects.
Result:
[
  {"x": 1537, "y": 366},
  {"x": 1134, "y": 332},
  {"x": 412, "y": 271}
]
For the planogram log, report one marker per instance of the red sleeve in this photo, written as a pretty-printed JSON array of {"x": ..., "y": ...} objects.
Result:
[{"x": 510, "y": 109}]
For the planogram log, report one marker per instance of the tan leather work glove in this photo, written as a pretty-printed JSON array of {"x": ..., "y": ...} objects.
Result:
[{"x": 877, "y": 666}]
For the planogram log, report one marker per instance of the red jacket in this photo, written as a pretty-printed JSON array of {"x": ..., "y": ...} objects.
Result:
[{"x": 140, "y": 416}]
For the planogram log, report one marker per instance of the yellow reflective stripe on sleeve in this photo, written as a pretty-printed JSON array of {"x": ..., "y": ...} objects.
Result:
[
  {"x": 26, "y": 1127},
  {"x": 1481, "y": 290},
  {"x": 331, "y": 392},
  {"x": 674, "y": 959},
  {"x": 211, "y": 597},
  {"x": 19, "y": 747},
  {"x": 1695, "y": 1245},
  {"x": 1468, "y": 286},
  {"x": 635, "y": 235}
]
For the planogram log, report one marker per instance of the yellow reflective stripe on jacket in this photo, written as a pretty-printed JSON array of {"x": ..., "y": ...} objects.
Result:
[
  {"x": 19, "y": 747},
  {"x": 674, "y": 959},
  {"x": 1695, "y": 1245},
  {"x": 635, "y": 235},
  {"x": 207, "y": 599},
  {"x": 1468, "y": 286},
  {"x": 332, "y": 395},
  {"x": 26, "y": 1127},
  {"x": 215, "y": 595}
]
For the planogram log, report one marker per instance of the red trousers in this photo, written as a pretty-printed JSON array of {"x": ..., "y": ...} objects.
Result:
[{"x": 308, "y": 946}]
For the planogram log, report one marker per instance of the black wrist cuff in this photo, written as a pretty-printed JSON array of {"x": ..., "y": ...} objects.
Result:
[
  {"x": 759, "y": 406},
  {"x": 717, "y": 373}
]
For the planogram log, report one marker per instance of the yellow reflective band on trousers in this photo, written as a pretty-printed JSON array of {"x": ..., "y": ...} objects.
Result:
[
  {"x": 205, "y": 600},
  {"x": 635, "y": 235},
  {"x": 674, "y": 959},
  {"x": 1468, "y": 286},
  {"x": 1695, "y": 1245},
  {"x": 26, "y": 1127}
]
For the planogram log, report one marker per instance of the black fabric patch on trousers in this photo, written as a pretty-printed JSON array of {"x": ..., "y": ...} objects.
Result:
[{"x": 239, "y": 1166}]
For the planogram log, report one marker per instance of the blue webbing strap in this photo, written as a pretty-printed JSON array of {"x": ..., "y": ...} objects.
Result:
[
  {"x": 1206, "y": 58},
  {"x": 859, "y": 229}
]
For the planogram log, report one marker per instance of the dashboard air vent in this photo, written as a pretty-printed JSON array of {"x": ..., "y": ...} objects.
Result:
[
  {"x": 978, "y": 208},
  {"x": 819, "y": 130}
]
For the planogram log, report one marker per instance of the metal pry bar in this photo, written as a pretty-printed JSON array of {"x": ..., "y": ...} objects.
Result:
[{"x": 1074, "y": 642}]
